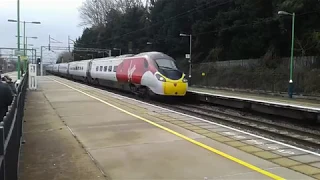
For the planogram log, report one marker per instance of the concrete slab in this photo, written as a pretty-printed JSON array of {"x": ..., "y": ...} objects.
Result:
[
  {"x": 289, "y": 174},
  {"x": 306, "y": 158},
  {"x": 167, "y": 160},
  {"x": 287, "y": 152},
  {"x": 285, "y": 162},
  {"x": 306, "y": 169},
  {"x": 51, "y": 152},
  {"x": 238, "y": 153},
  {"x": 55, "y": 96},
  {"x": 209, "y": 126},
  {"x": 78, "y": 108},
  {"x": 317, "y": 164},
  {"x": 266, "y": 155}
]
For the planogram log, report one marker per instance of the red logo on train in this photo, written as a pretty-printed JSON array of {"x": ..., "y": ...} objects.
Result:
[{"x": 132, "y": 70}]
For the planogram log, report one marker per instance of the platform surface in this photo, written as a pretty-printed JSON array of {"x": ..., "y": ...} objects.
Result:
[
  {"x": 132, "y": 140},
  {"x": 299, "y": 103}
]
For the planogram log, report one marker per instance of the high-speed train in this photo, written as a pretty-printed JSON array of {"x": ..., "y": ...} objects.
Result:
[{"x": 145, "y": 74}]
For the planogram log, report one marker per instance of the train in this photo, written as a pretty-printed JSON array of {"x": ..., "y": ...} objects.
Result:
[{"x": 146, "y": 74}]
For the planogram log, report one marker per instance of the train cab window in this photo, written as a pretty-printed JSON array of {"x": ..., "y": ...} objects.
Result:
[
  {"x": 166, "y": 64},
  {"x": 101, "y": 68},
  {"x": 97, "y": 69},
  {"x": 115, "y": 68},
  {"x": 110, "y": 69}
]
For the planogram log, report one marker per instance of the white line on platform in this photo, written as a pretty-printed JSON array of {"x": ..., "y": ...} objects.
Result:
[{"x": 207, "y": 121}]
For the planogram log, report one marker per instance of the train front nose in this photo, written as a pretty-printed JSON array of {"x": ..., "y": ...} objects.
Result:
[{"x": 175, "y": 88}]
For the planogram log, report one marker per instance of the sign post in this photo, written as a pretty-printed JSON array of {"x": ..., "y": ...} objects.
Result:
[{"x": 33, "y": 77}]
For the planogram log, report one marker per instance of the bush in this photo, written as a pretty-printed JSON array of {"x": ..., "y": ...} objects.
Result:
[{"x": 276, "y": 80}]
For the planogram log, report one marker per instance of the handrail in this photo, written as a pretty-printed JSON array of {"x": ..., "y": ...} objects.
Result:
[{"x": 11, "y": 134}]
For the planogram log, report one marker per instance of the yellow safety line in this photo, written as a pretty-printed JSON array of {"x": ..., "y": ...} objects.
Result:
[{"x": 250, "y": 166}]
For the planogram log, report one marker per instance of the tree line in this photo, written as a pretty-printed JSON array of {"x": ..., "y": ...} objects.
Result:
[{"x": 221, "y": 29}]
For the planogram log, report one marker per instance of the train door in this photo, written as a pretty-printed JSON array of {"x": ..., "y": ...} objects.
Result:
[
  {"x": 68, "y": 69},
  {"x": 88, "y": 74}
]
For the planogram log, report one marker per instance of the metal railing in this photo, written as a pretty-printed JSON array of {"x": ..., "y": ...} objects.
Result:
[{"x": 11, "y": 134}]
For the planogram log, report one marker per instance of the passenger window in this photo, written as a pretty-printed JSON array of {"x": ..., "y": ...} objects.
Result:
[
  {"x": 101, "y": 68},
  {"x": 110, "y": 68},
  {"x": 97, "y": 69},
  {"x": 115, "y": 68},
  {"x": 105, "y": 68}
]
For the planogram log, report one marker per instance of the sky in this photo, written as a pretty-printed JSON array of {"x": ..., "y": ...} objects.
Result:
[{"x": 59, "y": 19}]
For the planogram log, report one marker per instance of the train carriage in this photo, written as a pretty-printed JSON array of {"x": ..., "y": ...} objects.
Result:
[
  {"x": 49, "y": 68},
  {"x": 78, "y": 70},
  {"x": 63, "y": 69},
  {"x": 103, "y": 71},
  {"x": 55, "y": 69}
]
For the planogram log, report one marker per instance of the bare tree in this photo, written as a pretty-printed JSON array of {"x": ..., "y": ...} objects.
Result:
[
  {"x": 64, "y": 57},
  {"x": 95, "y": 12},
  {"x": 123, "y": 5},
  {"x": 308, "y": 41}
]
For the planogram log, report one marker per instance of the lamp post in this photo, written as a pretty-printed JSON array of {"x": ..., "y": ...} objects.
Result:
[
  {"x": 190, "y": 62},
  {"x": 18, "y": 39},
  {"x": 117, "y": 49},
  {"x": 290, "y": 90},
  {"x": 26, "y": 43},
  {"x": 25, "y": 38}
]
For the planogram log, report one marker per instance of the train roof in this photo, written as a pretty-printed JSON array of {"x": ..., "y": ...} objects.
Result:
[
  {"x": 126, "y": 55},
  {"x": 155, "y": 55}
]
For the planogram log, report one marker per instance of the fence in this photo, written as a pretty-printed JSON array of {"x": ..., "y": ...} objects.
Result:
[{"x": 11, "y": 133}]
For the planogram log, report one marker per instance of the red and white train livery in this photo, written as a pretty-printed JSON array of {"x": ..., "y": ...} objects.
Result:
[{"x": 146, "y": 73}]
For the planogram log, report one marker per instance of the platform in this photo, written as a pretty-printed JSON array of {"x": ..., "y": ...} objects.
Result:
[
  {"x": 129, "y": 139},
  {"x": 293, "y": 108}
]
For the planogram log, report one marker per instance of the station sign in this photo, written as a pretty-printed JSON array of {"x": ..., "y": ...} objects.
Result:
[
  {"x": 18, "y": 53},
  {"x": 187, "y": 56},
  {"x": 33, "y": 77},
  {"x": 24, "y": 58}
]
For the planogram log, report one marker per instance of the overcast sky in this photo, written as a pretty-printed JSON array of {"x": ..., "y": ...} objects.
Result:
[{"x": 59, "y": 18}]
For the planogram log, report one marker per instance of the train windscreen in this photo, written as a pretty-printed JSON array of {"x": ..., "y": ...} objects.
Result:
[
  {"x": 166, "y": 64},
  {"x": 168, "y": 68}
]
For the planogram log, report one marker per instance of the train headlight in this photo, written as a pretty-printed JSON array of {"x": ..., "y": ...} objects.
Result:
[
  {"x": 185, "y": 80},
  {"x": 160, "y": 78}
]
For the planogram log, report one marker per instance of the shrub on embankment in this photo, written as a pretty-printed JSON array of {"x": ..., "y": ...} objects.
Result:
[{"x": 258, "y": 78}]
